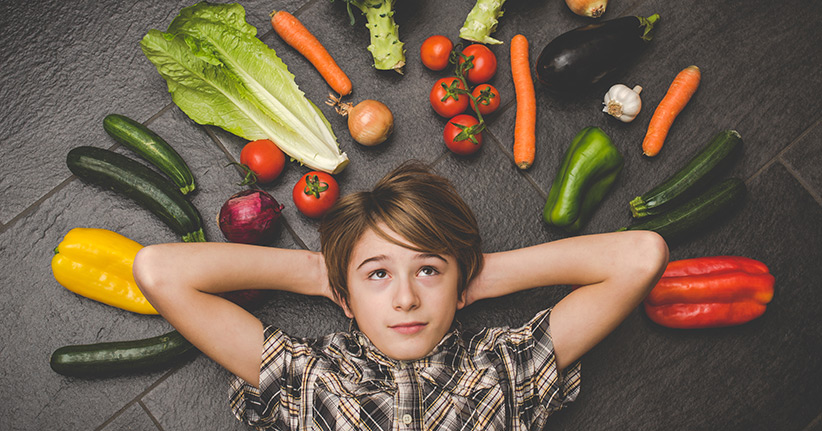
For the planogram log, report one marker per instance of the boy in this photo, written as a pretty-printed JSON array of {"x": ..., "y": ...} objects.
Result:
[{"x": 400, "y": 260}]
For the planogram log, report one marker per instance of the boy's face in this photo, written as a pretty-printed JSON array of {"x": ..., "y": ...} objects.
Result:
[{"x": 403, "y": 300}]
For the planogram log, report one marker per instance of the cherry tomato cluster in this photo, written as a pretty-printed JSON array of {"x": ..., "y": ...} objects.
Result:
[
  {"x": 450, "y": 97},
  {"x": 315, "y": 192}
]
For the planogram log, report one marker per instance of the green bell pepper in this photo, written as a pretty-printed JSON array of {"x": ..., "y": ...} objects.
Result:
[{"x": 588, "y": 170}]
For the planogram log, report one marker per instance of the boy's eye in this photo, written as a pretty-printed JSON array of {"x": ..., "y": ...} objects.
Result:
[
  {"x": 428, "y": 271},
  {"x": 378, "y": 274}
]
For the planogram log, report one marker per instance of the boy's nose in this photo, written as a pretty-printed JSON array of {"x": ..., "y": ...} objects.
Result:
[{"x": 406, "y": 297}]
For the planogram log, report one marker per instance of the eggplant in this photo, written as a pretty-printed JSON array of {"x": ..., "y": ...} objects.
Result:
[{"x": 579, "y": 59}]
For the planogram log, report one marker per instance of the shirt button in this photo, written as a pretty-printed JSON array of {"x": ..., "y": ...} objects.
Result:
[{"x": 407, "y": 419}]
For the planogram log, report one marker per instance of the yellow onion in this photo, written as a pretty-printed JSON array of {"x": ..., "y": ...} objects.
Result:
[
  {"x": 370, "y": 122},
  {"x": 589, "y": 8}
]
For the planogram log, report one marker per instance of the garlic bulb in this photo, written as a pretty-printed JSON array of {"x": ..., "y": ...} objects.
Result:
[{"x": 622, "y": 102}]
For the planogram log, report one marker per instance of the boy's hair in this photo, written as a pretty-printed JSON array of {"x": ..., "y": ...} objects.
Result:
[{"x": 422, "y": 207}]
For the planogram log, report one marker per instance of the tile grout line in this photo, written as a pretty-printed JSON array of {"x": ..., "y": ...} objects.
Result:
[
  {"x": 801, "y": 180},
  {"x": 139, "y": 396},
  {"x": 779, "y": 159},
  {"x": 151, "y": 416}
]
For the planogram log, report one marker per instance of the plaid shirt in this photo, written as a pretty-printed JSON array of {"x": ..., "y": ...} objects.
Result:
[{"x": 498, "y": 378}]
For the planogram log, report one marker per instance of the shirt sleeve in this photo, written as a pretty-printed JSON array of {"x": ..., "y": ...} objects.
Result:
[
  {"x": 550, "y": 389},
  {"x": 272, "y": 404}
]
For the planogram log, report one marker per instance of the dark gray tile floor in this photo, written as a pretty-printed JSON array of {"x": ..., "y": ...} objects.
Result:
[{"x": 68, "y": 64}]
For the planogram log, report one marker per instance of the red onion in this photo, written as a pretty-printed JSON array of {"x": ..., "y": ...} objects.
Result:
[{"x": 250, "y": 217}]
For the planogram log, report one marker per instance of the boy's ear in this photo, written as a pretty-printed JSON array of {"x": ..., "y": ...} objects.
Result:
[
  {"x": 346, "y": 310},
  {"x": 461, "y": 301}
]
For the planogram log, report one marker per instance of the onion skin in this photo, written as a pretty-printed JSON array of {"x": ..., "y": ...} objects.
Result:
[
  {"x": 250, "y": 217},
  {"x": 370, "y": 122},
  {"x": 589, "y": 8}
]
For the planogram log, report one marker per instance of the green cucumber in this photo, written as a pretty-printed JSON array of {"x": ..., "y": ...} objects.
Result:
[
  {"x": 118, "y": 357},
  {"x": 659, "y": 199},
  {"x": 148, "y": 188},
  {"x": 151, "y": 147},
  {"x": 696, "y": 212}
]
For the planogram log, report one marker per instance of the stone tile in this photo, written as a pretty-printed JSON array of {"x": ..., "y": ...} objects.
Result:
[
  {"x": 134, "y": 418},
  {"x": 760, "y": 375},
  {"x": 805, "y": 157}
]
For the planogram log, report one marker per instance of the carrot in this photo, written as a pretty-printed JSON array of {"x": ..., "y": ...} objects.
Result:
[
  {"x": 294, "y": 33},
  {"x": 526, "y": 119},
  {"x": 678, "y": 95}
]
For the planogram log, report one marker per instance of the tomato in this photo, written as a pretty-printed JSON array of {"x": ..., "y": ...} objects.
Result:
[
  {"x": 264, "y": 158},
  {"x": 435, "y": 52},
  {"x": 454, "y": 103},
  {"x": 488, "y": 106},
  {"x": 315, "y": 193},
  {"x": 484, "y": 61},
  {"x": 462, "y": 147}
]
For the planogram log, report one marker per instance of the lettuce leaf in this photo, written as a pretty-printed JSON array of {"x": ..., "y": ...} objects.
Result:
[{"x": 219, "y": 73}]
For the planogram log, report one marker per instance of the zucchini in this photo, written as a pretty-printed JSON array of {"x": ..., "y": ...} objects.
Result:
[
  {"x": 151, "y": 147},
  {"x": 148, "y": 188},
  {"x": 118, "y": 357},
  {"x": 696, "y": 212},
  {"x": 659, "y": 199}
]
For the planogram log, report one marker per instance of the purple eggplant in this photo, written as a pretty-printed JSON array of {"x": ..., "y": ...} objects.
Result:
[{"x": 581, "y": 58}]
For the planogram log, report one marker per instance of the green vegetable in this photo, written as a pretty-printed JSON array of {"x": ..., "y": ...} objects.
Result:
[
  {"x": 482, "y": 21},
  {"x": 151, "y": 147},
  {"x": 385, "y": 47},
  {"x": 104, "y": 359},
  {"x": 218, "y": 72},
  {"x": 696, "y": 212},
  {"x": 148, "y": 188},
  {"x": 700, "y": 168},
  {"x": 588, "y": 170}
]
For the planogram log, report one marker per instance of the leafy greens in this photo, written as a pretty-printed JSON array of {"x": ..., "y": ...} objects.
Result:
[{"x": 219, "y": 73}]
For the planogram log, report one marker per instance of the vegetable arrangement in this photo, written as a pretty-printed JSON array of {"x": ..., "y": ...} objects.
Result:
[
  {"x": 219, "y": 73},
  {"x": 710, "y": 292},
  {"x": 385, "y": 47}
]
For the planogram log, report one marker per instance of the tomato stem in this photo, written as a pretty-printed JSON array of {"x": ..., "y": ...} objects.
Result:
[{"x": 313, "y": 186}]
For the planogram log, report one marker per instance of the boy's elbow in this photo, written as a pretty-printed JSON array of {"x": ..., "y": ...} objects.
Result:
[
  {"x": 652, "y": 256},
  {"x": 147, "y": 265}
]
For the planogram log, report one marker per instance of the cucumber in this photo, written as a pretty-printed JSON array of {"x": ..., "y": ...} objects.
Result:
[
  {"x": 658, "y": 199},
  {"x": 151, "y": 147},
  {"x": 696, "y": 212},
  {"x": 104, "y": 359},
  {"x": 148, "y": 188}
]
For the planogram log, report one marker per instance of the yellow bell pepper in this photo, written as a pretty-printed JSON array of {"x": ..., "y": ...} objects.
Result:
[{"x": 97, "y": 264}]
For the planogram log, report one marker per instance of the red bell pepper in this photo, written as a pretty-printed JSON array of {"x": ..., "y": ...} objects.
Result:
[{"x": 708, "y": 292}]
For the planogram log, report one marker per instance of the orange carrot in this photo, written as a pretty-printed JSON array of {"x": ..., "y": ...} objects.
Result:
[
  {"x": 526, "y": 119},
  {"x": 678, "y": 95},
  {"x": 294, "y": 33}
]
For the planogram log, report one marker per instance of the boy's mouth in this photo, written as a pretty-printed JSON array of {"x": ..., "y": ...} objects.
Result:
[{"x": 408, "y": 328}]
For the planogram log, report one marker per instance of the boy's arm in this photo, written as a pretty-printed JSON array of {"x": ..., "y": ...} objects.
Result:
[
  {"x": 616, "y": 272},
  {"x": 180, "y": 281}
]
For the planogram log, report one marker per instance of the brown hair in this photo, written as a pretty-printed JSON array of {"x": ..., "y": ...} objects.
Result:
[{"x": 422, "y": 207}]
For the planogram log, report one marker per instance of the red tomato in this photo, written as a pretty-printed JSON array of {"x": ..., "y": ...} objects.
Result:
[
  {"x": 484, "y": 61},
  {"x": 264, "y": 158},
  {"x": 462, "y": 147},
  {"x": 488, "y": 106},
  {"x": 453, "y": 104},
  {"x": 435, "y": 52},
  {"x": 315, "y": 193}
]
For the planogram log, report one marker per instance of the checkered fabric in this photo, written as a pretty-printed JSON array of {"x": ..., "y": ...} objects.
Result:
[{"x": 495, "y": 379}]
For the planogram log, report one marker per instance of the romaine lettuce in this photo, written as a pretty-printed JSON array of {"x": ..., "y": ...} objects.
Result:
[{"x": 219, "y": 73}]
